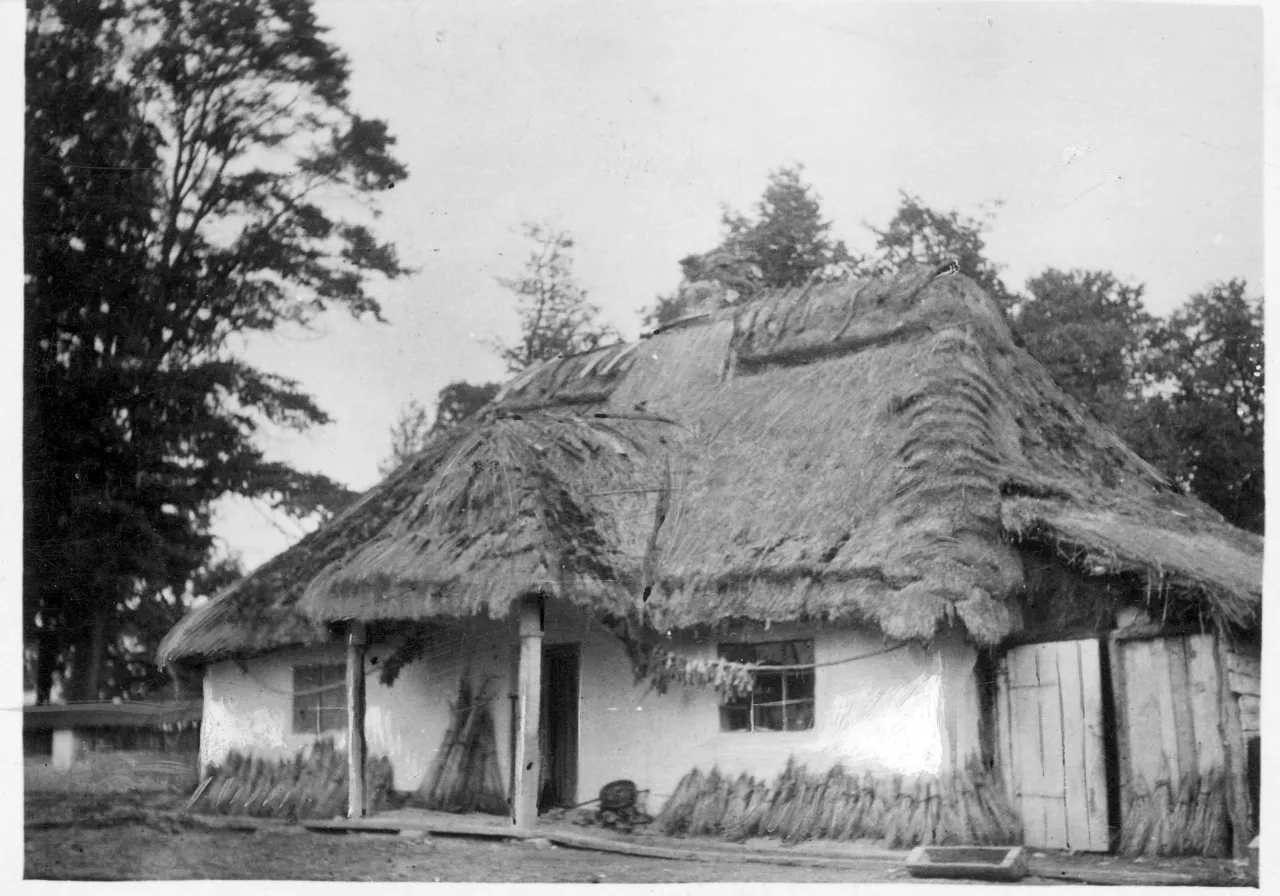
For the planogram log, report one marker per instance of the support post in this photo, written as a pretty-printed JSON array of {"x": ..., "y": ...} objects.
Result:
[
  {"x": 1234, "y": 753},
  {"x": 355, "y": 721},
  {"x": 524, "y": 797},
  {"x": 64, "y": 748}
]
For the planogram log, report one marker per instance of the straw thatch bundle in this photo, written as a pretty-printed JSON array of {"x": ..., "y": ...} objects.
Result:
[
  {"x": 313, "y": 784},
  {"x": 467, "y": 777},
  {"x": 858, "y": 452},
  {"x": 799, "y": 805},
  {"x": 1186, "y": 816}
]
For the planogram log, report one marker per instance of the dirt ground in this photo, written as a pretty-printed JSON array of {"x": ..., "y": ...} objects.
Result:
[
  {"x": 111, "y": 837},
  {"x": 136, "y": 836}
]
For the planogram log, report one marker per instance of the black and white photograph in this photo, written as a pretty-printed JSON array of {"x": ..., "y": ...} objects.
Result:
[{"x": 770, "y": 443}]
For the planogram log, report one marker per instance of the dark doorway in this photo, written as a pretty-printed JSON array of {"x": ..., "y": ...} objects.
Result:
[{"x": 559, "y": 727}]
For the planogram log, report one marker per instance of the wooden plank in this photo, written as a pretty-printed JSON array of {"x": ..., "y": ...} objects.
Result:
[
  {"x": 1027, "y": 744},
  {"x": 1095, "y": 755},
  {"x": 1244, "y": 683},
  {"x": 1004, "y": 728},
  {"x": 1238, "y": 801},
  {"x": 1120, "y": 703},
  {"x": 1158, "y": 670},
  {"x": 356, "y": 804},
  {"x": 1074, "y": 735},
  {"x": 1050, "y": 701},
  {"x": 1146, "y": 758},
  {"x": 1250, "y": 716},
  {"x": 1202, "y": 698},
  {"x": 1179, "y": 687},
  {"x": 524, "y": 800},
  {"x": 1244, "y": 661}
]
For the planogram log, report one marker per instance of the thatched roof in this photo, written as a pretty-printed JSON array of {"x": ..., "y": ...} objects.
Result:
[{"x": 854, "y": 452}]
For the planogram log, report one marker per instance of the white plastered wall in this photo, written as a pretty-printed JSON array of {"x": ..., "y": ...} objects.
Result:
[
  {"x": 248, "y": 705},
  {"x": 908, "y": 711}
]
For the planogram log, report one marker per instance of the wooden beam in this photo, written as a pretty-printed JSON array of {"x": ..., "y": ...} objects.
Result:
[
  {"x": 1236, "y": 758},
  {"x": 356, "y": 804},
  {"x": 1124, "y": 751},
  {"x": 524, "y": 796}
]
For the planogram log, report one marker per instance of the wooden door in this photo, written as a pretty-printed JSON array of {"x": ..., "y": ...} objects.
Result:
[
  {"x": 1169, "y": 711},
  {"x": 1050, "y": 727},
  {"x": 559, "y": 727}
]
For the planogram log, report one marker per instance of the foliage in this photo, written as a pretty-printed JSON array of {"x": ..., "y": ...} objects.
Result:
[
  {"x": 920, "y": 235},
  {"x": 787, "y": 243},
  {"x": 409, "y": 435},
  {"x": 1090, "y": 331},
  {"x": 416, "y": 426},
  {"x": 1207, "y": 361},
  {"x": 184, "y": 161},
  {"x": 555, "y": 317},
  {"x": 787, "y": 240}
]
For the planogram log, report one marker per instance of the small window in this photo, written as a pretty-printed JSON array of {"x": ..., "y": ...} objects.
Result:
[
  {"x": 781, "y": 700},
  {"x": 319, "y": 698}
]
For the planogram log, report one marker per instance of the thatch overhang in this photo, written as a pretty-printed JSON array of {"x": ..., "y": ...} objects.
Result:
[
  {"x": 867, "y": 452},
  {"x": 507, "y": 505}
]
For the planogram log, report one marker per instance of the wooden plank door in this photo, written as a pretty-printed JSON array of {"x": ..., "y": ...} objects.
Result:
[
  {"x": 1170, "y": 717},
  {"x": 1049, "y": 719}
]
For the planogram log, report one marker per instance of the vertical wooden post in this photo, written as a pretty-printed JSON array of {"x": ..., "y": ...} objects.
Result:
[
  {"x": 524, "y": 797},
  {"x": 355, "y": 721},
  {"x": 1234, "y": 754}
]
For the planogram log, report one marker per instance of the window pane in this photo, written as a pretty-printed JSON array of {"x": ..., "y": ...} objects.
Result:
[
  {"x": 800, "y": 686},
  {"x": 770, "y": 718},
  {"x": 735, "y": 718},
  {"x": 771, "y": 654},
  {"x": 304, "y": 719},
  {"x": 799, "y": 716},
  {"x": 332, "y": 719},
  {"x": 768, "y": 688},
  {"x": 305, "y": 678},
  {"x": 799, "y": 653}
]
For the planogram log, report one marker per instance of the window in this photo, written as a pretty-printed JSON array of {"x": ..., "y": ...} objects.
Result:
[
  {"x": 319, "y": 698},
  {"x": 782, "y": 700}
]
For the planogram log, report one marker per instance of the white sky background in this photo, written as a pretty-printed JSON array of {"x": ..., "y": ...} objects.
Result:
[{"x": 1127, "y": 138}]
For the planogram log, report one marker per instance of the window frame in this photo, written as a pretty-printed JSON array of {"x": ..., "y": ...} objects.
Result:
[
  {"x": 322, "y": 706},
  {"x": 750, "y": 704}
]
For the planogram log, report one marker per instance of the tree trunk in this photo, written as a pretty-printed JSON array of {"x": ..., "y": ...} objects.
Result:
[
  {"x": 46, "y": 664},
  {"x": 88, "y": 658}
]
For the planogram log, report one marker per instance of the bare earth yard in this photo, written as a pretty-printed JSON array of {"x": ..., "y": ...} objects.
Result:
[
  {"x": 144, "y": 849},
  {"x": 113, "y": 824}
]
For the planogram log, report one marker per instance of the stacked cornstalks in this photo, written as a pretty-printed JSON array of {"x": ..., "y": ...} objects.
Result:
[
  {"x": 313, "y": 784},
  {"x": 467, "y": 777},
  {"x": 1187, "y": 816},
  {"x": 965, "y": 807}
]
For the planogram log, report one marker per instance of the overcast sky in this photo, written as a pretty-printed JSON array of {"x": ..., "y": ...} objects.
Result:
[{"x": 1125, "y": 138}]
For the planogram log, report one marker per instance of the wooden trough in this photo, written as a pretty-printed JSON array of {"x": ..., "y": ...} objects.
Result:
[{"x": 994, "y": 863}]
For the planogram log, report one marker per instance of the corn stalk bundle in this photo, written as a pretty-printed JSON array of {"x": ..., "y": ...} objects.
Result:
[
  {"x": 737, "y": 806},
  {"x": 1187, "y": 816},
  {"x": 757, "y": 808},
  {"x": 966, "y": 807},
  {"x": 312, "y": 784},
  {"x": 467, "y": 776},
  {"x": 674, "y": 817},
  {"x": 708, "y": 810}
]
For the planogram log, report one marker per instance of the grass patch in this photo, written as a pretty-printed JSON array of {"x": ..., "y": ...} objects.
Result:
[{"x": 114, "y": 773}]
